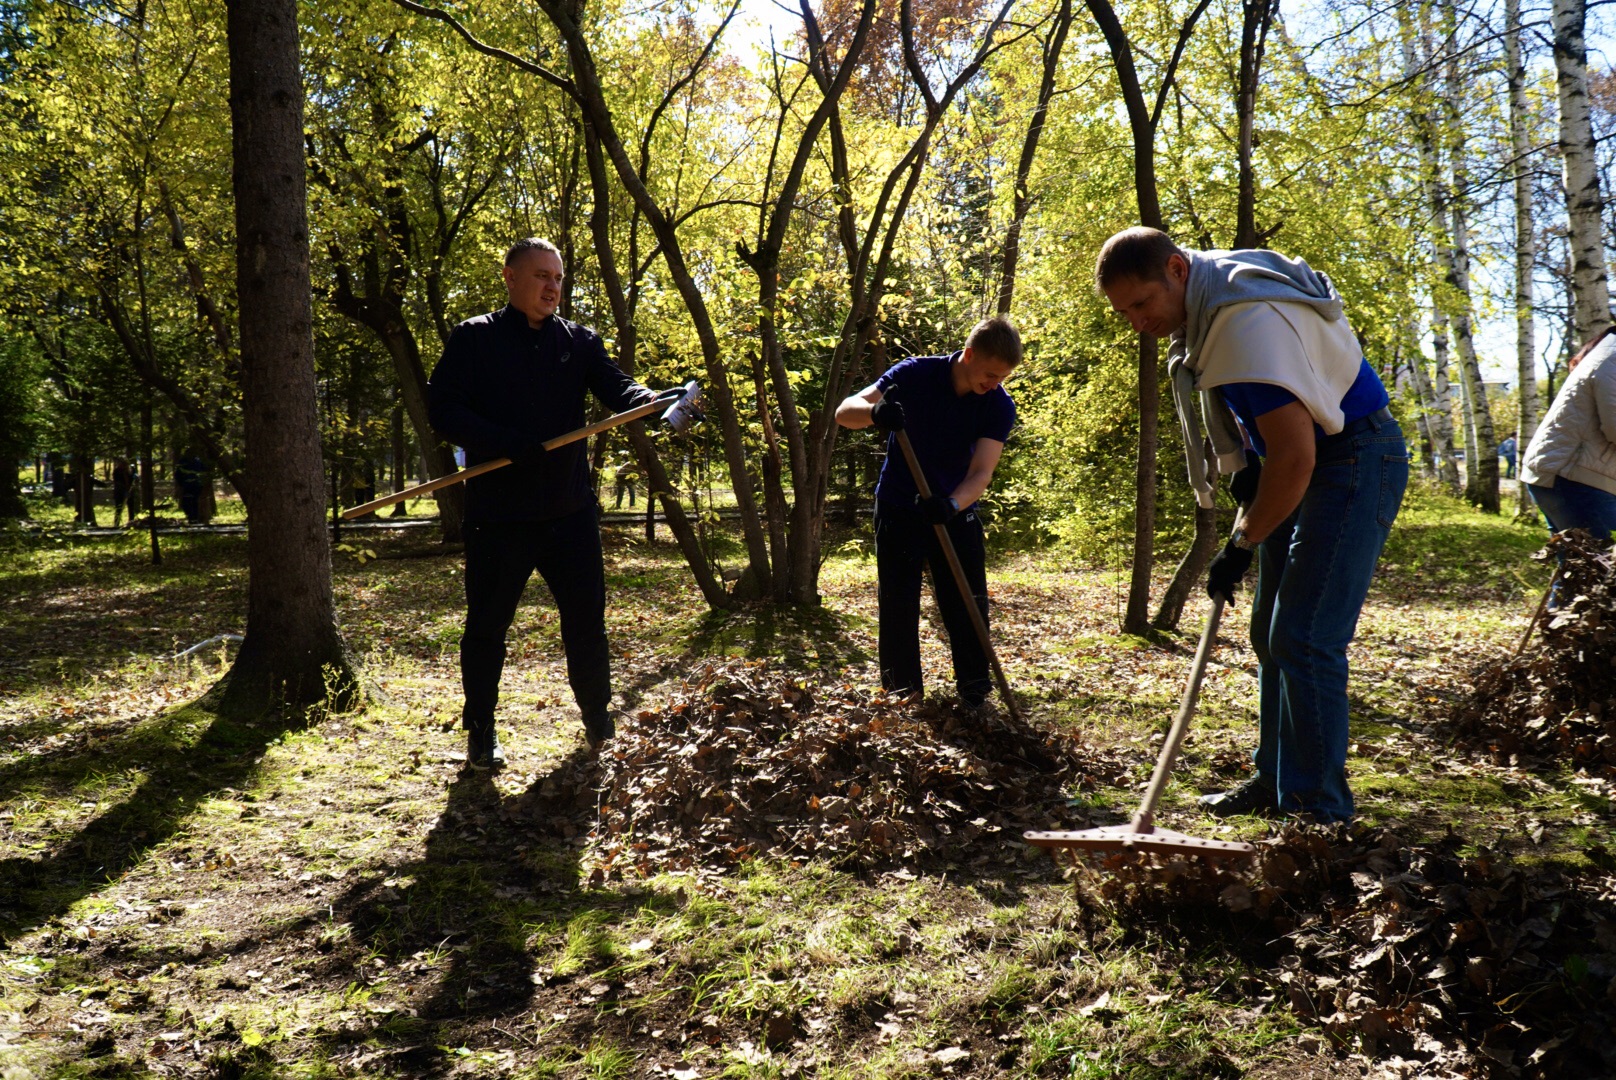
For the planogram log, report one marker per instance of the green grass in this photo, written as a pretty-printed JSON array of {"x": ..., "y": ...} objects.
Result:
[{"x": 332, "y": 897}]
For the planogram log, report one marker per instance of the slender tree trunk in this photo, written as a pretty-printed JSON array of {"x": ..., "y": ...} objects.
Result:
[
  {"x": 657, "y": 482},
  {"x": 1481, "y": 471},
  {"x": 1481, "y": 448},
  {"x": 292, "y": 650},
  {"x": 1422, "y": 417},
  {"x": 148, "y": 478},
  {"x": 1525, "y": 240},
  {"x": 1584, "y": 204},
  {"x": 1011, "y": 252},
  {"x": 1442, "y": 400},
  {"x": 1257, "y": 17}
]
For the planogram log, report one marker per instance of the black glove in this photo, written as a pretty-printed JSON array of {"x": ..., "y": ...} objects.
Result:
[
  {"x": 887, "y": 415},
  {"x": 937, "y": 509},
  {"x": 522, "y": 447},
  {"x": 1228, "y": 567},
  {"x": 1243, "y": 484}
]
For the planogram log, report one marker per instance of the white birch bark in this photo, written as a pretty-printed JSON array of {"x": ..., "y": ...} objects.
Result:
[
  {"x": 1424, "y": 116},
  {"x": 1525, "y": 241},
  {"x": 1441, "y": 415},
  {"x": 1584, "y": 205},
  {"x": 1481, "y": 447}
]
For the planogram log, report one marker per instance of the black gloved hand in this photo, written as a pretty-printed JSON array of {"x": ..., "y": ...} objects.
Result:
[
  {"x": 937, "y": 509},
  {"x": 1228, "y": 567},
  {"x": 1243, "y": 484},
  {"x": 887, "y": 415},
  {"x": 523, "y": 446}
]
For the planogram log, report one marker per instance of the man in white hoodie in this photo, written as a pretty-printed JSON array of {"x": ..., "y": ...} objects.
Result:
[{"x": 1261, "y": 353}]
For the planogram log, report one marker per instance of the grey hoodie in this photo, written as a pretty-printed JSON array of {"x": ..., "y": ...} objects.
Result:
[{"x": 1218, "y": 279}]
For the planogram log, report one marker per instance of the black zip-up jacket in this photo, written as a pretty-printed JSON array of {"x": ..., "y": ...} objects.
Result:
[{"x": 502, "y": 388}]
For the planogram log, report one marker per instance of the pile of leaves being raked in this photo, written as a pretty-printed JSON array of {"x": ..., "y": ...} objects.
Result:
[
  {"x": 1461, "y": 966},
  {"x": 1556, "y": 702},
  {"x": 748, "y": 761}
]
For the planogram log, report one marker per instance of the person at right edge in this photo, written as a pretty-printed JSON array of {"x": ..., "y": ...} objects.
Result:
[
  {"x": 1570, "y": 465},
  {"x": 1262, "y": 355}
]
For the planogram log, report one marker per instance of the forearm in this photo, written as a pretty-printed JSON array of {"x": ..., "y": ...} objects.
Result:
[
  {"x": 854, "y": 413},
  {"x": 1279, "y": 492},
  {"x": 972, "y": 488},
  {"x": 984, "y": 460}
]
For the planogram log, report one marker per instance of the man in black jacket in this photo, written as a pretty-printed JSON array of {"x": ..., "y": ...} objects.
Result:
[{"x": 508, "y": 381}]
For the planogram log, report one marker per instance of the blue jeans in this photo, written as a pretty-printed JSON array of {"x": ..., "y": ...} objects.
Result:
[
  {"x": 1313, "y": 575},
  {"x": 1570, "y": 505}
]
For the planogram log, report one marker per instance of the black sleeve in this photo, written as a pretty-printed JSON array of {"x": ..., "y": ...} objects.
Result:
[
  {"x": 607, "y": 381},
  {"x": 452, "y": 395}
]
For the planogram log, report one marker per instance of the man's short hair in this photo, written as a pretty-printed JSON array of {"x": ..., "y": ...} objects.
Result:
[
  {"x": 996, "y": 337},
  {"x": 1138, "y": 253},
  {"x": 532, "y": 243}
]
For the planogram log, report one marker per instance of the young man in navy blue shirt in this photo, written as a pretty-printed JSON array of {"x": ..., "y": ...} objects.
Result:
[
  {"x": 508, "y": 381},
  {"x": 958, "y": 417},
  {"x": 1260, "y": 349}
]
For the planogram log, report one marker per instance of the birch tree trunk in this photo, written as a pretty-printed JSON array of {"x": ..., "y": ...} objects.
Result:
[
  {"x": 1525, "y": 241},
  {"x": 1481, "y": 448},
  {"x": 1441, "y": 415},
  {"x": 1584, "y": 205}
]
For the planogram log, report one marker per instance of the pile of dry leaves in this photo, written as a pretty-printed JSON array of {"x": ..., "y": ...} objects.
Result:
[
  {"x": 748, "y": 761},
  {"x": 1403, "y": 950},
  {"x": 1557, "y": 700}
]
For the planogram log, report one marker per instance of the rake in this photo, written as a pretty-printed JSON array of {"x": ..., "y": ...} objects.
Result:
[{"x": 1141, "y": 834}]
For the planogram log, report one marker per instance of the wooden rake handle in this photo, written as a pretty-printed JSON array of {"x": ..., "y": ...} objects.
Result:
[
  {"x": 661, "y": 402},
  {"x": 952, "y": 556}
]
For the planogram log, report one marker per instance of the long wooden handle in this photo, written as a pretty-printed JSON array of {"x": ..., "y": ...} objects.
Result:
[
  {"x": 499, "y": 463},
  {"x": 947, "y": 543},
  {"x": 1144, "y": 818}
]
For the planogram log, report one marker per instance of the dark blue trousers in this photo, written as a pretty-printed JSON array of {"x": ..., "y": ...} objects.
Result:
[
  {"x": 500, "y": 557},
  {"x": 905, "y": 543}
]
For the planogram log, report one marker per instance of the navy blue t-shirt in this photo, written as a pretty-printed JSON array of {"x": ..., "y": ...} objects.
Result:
[
  {"x": 1250, "y": 400},
  {"x": 943, "y": 426}
]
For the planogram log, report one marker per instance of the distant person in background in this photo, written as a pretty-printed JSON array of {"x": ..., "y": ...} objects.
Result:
[
  {"x": 624, "y": 482},
  {"x": 189, "y": 474},
  {"x": 1506, "y": 450},
  {"x": 1570, "y": 464},
  {"x": 123, "y": 487}
]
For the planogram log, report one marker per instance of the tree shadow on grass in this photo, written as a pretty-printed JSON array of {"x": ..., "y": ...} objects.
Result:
[
  {"x": 804, "y": 639},
  {"x": 180, "y": 775}
]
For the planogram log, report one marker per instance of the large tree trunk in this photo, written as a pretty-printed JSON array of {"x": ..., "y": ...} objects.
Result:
[
  {"x": 1584, "y": 206},
  {"x": 1525, "y": 241},
  {"x": 292, "y": 651}
]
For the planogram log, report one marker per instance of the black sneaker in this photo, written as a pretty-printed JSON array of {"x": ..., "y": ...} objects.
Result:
[
  {"x": 598, "y": 728},
  {"x": 1252, "y": 797},
  {"x": 483, "y": 751}
]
